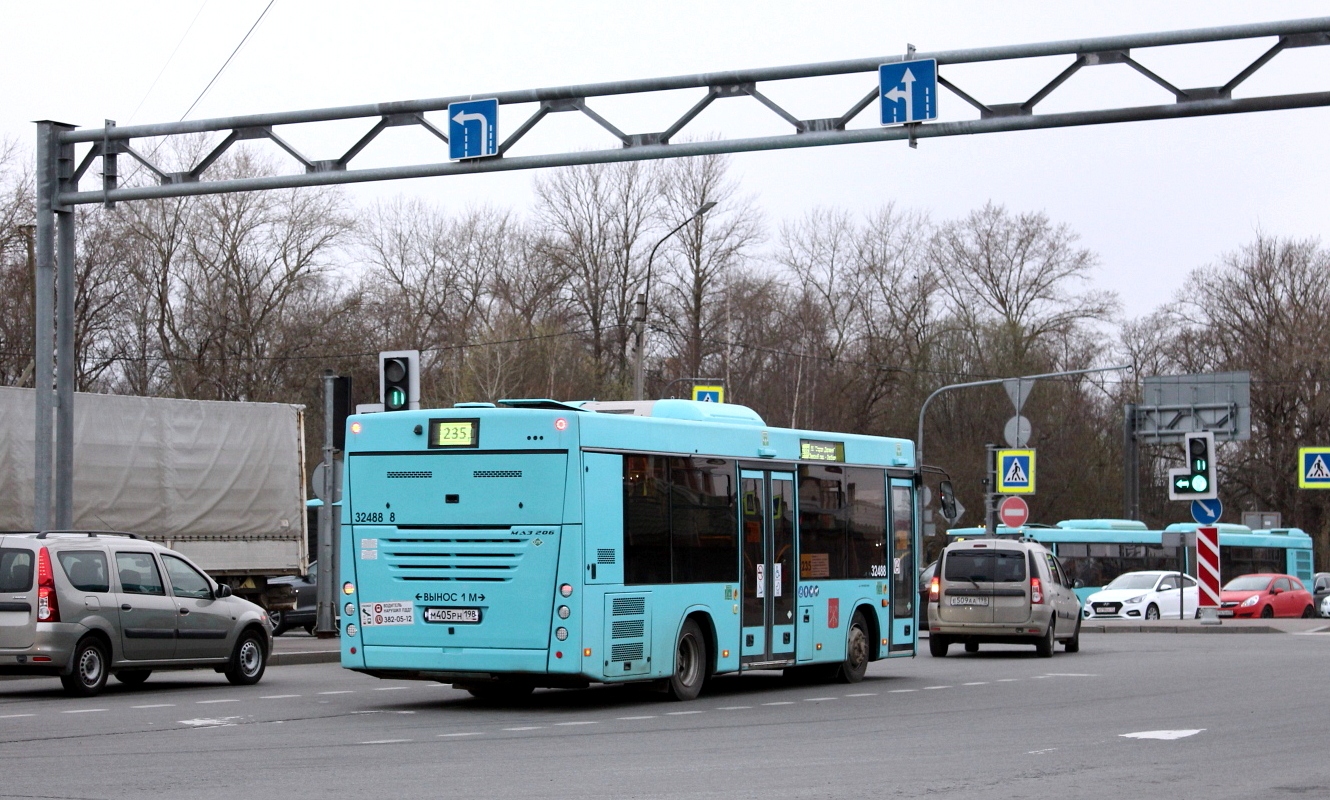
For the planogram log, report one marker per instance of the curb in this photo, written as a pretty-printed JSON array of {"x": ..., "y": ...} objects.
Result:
[
  {"x": 1178, "y": 629},
  {"x": 299, "y": 658}
]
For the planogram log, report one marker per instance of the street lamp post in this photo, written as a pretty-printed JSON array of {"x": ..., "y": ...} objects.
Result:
[{"x": 640, "y": 307}]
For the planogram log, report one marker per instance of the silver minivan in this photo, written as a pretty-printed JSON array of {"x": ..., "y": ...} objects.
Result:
[
  {"x": 1001, "y": 591},
  {"x": 87, "y": 605}
]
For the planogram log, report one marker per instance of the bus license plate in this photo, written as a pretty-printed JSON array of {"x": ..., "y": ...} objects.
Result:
[
  {"x": 977, "y": 600},
  {"x": 452, "y": 615}
]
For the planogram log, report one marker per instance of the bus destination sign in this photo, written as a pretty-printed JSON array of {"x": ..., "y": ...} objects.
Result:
[
  {"x": 813, "y": 450},
  {"x": 454, "y": 433}
]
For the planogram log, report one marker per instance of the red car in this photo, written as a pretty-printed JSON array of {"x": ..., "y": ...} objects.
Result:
[{"x": 1265, "y": 595}]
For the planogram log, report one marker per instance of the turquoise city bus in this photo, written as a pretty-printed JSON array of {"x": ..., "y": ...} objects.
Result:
[
  {"x": 1095, "y": 551},
  {"x": 546, "y": 544}
]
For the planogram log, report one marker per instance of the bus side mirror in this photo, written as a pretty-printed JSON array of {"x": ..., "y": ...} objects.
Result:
[{"x": 947, "y": 499}]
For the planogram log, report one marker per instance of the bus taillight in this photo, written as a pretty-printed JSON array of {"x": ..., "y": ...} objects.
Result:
[{"x": 560, "y": 424}]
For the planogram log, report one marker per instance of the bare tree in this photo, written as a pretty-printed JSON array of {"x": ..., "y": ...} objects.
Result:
[
  {"x": 592, "y": 221},
  {"x": 701, "y": 259}
]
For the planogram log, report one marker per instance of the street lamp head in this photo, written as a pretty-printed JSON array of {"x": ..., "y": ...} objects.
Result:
[{"x": 704, "y": 208}]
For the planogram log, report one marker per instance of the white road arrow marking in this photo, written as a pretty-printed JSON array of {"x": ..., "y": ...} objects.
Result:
[
  {"x": 1163, "y": 735},
  {"x": 462, "y": 119},
  {"x": 907, "y": 94}
]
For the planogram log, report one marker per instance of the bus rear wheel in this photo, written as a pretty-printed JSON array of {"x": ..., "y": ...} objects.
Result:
[{"x": 690, "y": 663}]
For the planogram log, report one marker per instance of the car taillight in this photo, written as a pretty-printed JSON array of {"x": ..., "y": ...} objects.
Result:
[
  {"x": 1036, "y": 591},
  {"x": 48, "y": 609},
  {"x": 933, "y": 590}
]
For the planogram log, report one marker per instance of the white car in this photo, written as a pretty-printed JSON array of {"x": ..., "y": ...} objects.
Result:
[
  {"x": 1325, "y": 607},
  {"x": 1149, "y": 594}
]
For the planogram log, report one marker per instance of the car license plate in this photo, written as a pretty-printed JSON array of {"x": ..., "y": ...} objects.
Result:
[
  {"x": 452, "y": 615},
  {"x": 969, "y": 600},
  {"x": 1225, "y": 613}
]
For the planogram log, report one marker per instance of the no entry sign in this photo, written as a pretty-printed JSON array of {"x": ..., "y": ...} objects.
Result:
[{"x": 1013, "y": 512}]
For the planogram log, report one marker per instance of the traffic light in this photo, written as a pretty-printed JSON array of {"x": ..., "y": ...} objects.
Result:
[
  {"x": 399, "y": 380},
  {"x": 1196, "y": 481}
]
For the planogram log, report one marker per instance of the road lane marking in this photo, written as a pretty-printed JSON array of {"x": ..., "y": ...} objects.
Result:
[
  {"x": 15, "y": 716},
  {"x": 1040, "y": 752},
  {"x": 926, "y": 688},
  {"x": 208, "y": 702},
  {"x": 468, "y": 733},
  {"x": 220, "y": 722},
  {"x": 863, "y": 694},
  {"x": 350, "y": 691},
  {"x": 1167, "y": 736},
  {"x": 975, "y": 683},
  {"x": 386, "y": 741},
  {"x": 732, "y": 708},
  {"x": 82, "y": 710},
  {"x": 156, "y": 705},
  {"x": 902, "y": 691},
  {"x": 818, "y": 699},
  {"x": 1007, "y": 680},
  {"x": 277, "y": 696},
  {"x": 680, "y": 713},
  {"x": 578, "y": 722},
  {"x": 526, "y": 728},
  {"x": 390, "y": 688},
  {"x": 782, "y": 703},
  {"x": 1068, "y": 675},
  {"x": 644, "y": 716}
]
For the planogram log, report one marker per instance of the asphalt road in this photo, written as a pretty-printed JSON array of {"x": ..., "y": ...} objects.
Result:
[{"x": 997, "y": 724}]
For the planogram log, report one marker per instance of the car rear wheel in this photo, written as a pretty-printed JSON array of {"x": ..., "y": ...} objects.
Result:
[
  {"x": 1073, "y": 645},
  {"x": 278, "y": 626},
  {"x": 133, "y": 677},
  {"x": 248, "y": 661},
  {"x": 1044, "y": 647},
  {"x": 1268, "y": 612},
  {"x": 937, "y": 645},
  {"x": 1152, "y": 612},
  {"x": 90, "y": 672},
  {"x": 690, "y": 663},
  {"x": 971, "y": 647}
]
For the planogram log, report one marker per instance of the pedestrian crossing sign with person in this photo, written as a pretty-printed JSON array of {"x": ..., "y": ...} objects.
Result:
[
  {"x": 1015, "y": 472},
  {"x": 1314, "y": 468}
]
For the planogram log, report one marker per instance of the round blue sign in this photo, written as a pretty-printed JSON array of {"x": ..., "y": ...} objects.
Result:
[{"x": 1207, "y": 512}]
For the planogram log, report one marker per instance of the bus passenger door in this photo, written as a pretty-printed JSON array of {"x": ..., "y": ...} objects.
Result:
[
  {"x": 767, "y": 516},
  {"x": 903, "y": 569}
]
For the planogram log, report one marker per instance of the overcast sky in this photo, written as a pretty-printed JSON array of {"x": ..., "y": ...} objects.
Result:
[{"x": 1153, "y": 199}]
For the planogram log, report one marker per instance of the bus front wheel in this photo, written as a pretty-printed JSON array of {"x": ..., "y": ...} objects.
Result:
[
  {"x": 857, "y": 651},
  {"x": 690, "y": 663}
]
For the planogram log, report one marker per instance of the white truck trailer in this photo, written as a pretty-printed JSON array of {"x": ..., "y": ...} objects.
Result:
[{"x": 222, "y": 482}]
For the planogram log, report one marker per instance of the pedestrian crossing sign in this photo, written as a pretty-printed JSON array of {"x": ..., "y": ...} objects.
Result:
[
  {"x": 709, "y": 394},
  {"x": 1015, "y": 472},
  {"x": 1314, "y": 468}
]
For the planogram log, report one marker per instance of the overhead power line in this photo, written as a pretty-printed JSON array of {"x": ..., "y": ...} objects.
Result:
[{"x": 228, "y": 59}]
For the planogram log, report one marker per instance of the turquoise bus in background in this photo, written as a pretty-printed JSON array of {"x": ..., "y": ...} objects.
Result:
[
  {"x": 1095, "y": 551},
  {"x": 537, "y": 543}
]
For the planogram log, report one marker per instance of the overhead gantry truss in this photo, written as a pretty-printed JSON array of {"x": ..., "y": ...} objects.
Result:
[
  {"x": 61, "y": 169},
  {"x": 109, "y": 143}
]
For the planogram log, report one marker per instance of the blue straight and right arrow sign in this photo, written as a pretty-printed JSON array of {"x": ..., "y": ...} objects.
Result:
[{"x": 908, "y": 91}]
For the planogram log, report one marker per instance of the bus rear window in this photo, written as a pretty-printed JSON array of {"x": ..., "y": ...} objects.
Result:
[{"x": 994, "y": 566}]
